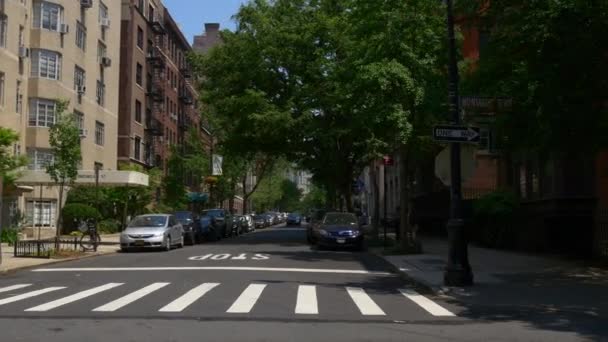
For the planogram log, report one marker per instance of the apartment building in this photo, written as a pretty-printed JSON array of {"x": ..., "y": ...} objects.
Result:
[
  {"x": 58, "y": 50},
  {"x": 158, "y": 102}
]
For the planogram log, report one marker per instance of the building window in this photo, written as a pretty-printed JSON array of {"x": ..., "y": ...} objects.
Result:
[
  {"x": 103, "y": 11},
  {"x": 3, "y": 28},
  {"x": 150, "y": 12},
  {"x": 79, "y": 79},
  {"x": 101, "y": 93},
  {"x": 137, "y": 111},
  {"x": 46, "y": 64},
  {"x": 2, "y": 86},
  {"x": 138, "y": 74},
  {"x": 81, "y": 36},
  {"x": 140, "y": 38},
  {"x": 41, "y": 213},
  {"x": 19, "y": 99},
  {"x": 42, "y": 113},
  {"x": 101, "y": 51},
  {"x": 47, "y": 15},
  {"x": 137, "y": 148},
  {"x": 79, "y": 118},
  {"x": 99, "y": 133},
  {"x": 140, "y": 6},
  {"x": 39, "y": 159}
]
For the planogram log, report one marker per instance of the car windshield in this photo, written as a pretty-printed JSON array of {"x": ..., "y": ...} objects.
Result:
[
  {"x": 340, "y": 218},
  {"x": 294, "y": 215},
  {"x": 212, "y": 213},
  {"x": 149, "y": 221},
  {"x": 183, "y": 216},
  {"x": 258, "y": 217}
]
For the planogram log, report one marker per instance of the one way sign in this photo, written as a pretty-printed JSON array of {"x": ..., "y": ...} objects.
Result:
[{"x": 456, "y": 133}]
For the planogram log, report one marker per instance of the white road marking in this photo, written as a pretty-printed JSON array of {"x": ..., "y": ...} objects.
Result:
[
  {"x": 188, "y": 298},
  {"x": 364, "y": 302},
  {"x": 307, "y": 300},
  {"x": 30, "y": 294},
  {"x": 247, "y": 299},
  {"x": 425, "y": 303},
  {"x": 14, "y": 287},
  {"x": 130, "y": 298},
  {"x": 214, "y": 268},
  {"x": 70, "y": 299}
]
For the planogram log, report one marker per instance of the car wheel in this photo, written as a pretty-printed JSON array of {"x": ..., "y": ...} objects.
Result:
[
  {"x": 167, "y": 244},
  {"x": 124, "y": 250},
  {"x": 181, "y": 242}
]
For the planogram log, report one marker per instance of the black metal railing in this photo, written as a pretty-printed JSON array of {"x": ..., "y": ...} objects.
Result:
[{"x": 44, "y": 248}]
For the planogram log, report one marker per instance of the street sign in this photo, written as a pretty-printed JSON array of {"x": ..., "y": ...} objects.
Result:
[
  {"x": 467, "y": 164},
  {"x": 449, "y": 133}
]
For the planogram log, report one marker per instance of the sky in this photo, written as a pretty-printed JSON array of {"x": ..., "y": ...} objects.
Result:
[{"x": 192, "y": 14}]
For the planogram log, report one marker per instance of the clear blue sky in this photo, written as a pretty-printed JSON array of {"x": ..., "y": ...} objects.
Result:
[{"x": 192, "y": 14}]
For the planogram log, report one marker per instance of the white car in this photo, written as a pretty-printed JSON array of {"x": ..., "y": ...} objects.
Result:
[{"x": 152, "y": 231}]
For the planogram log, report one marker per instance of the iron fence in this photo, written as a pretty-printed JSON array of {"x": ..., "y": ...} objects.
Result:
[{"x": 43, "y": 249}]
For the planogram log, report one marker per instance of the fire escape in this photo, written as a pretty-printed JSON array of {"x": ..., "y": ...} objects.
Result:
[{"x": 154, "y": 139}]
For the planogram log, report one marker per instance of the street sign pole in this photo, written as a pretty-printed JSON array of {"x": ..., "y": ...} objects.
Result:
[{"x": 458, "y": 271}]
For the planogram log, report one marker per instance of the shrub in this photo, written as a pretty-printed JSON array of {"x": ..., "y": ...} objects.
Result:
[
  {"x": 9, "y": 235},
  {"x": 494, "y": 215},
  {"x": 109, "y": 226},
  {"x": 74, "y": 212}
]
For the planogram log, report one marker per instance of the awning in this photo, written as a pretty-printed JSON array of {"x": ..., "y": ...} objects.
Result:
[{"x": 87, "y": 177}]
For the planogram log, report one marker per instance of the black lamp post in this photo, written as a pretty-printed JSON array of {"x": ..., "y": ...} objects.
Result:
[{"x": 458, "y": 271}]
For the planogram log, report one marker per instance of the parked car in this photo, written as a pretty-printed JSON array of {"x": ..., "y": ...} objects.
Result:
[
  {"x": 208, "y": 229},
  {"x": 152, "y": 231},
  {"x": 192, "y": 228},
  {"x": 316, "y": 216},
  {"x": 294, "y": 218},
  {"x": 260, "y": 221},
  {"x": 248, "y": 223},
  {"x": 237, "y": 225},
  {"x": 221, "y": 220},
  {"x": 339, "y": 230}
]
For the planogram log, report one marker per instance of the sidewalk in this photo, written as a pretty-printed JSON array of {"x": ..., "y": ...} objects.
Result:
[
  {"x": 548, "y": 292},
  {"x": 10, "y": 263}
]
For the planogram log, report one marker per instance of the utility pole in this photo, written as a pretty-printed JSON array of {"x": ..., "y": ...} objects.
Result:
[{"x": 458, "y": 271}]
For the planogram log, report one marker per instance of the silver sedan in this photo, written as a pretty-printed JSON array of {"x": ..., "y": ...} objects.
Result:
[{"x": 152, "y": 231}]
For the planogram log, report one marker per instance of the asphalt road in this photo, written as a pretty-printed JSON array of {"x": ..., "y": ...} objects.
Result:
[{"x": 264, "y": 286}]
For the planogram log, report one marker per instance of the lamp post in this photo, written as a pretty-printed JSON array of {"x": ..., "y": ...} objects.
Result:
[{"x": 458, "y": 271}]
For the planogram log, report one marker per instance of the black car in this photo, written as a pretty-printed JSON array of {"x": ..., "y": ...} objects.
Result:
[
  {"x": 339, "y": 230},
  {"x": 294, "y": 218},
  {"x": 221, "y": 222},
  {"x": 192, "y": 229},
  {"x": 260, "y": 221}
]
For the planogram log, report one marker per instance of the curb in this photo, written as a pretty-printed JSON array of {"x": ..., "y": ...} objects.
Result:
[
  {"x": 421, "y": 284},
  {"x": 56, "y": 261}
]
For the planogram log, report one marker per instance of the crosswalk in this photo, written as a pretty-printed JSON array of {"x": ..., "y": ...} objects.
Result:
[{"x": 305, "y": 304}]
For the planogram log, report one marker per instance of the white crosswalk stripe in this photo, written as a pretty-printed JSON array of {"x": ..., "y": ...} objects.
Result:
[
  {"x": 364, "y": 302},
  {"x": 188, "y": 298},
  {"x": 130, "y": 298},
  {"x": 247, "y": 299},
  {"x": 307, "y": 300},
  {"x": 13, "y": 287},
  {"x": 30, "y": 294},
  {"x": 425, "y": 303},
  {"x": 75, "y": 297}
]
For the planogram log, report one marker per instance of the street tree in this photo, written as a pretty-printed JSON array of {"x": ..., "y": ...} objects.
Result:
[{"x": 64, "y": 139}]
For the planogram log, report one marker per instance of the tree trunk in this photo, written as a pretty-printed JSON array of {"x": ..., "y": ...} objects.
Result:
[
  {"x": 245, "y": 196},
  {"x": 59, "y": 216},
  {"x": 376, "y": 215},
  {"x": 408, "y": 236}
]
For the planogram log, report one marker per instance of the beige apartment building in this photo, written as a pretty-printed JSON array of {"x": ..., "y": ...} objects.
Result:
[{"x": 52, "y": 50}]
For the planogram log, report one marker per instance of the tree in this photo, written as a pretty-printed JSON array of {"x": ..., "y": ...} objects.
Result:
[
  {"x": 64, "y": 138},
  {"x": 290, "y": 196},
  {"x": 548, "y": 57}
]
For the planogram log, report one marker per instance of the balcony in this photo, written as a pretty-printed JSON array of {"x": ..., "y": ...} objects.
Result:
[
  {"x": 154, "y": 128},
  {"x": 156, "y": 57},
  {"x": 187, "y": 100},
  {"x": 186, "y": 72},
  {"x": 157, "y": 25},
  {"x": 157, "y": 94}
]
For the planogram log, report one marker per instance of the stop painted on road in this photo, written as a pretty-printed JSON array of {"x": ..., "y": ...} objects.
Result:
[{"x": 228, "y": 256}]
